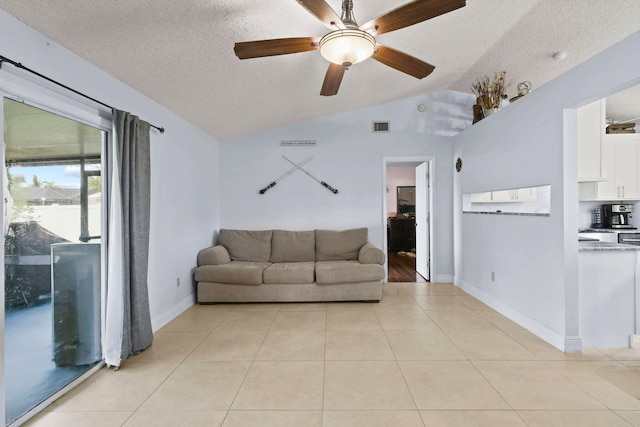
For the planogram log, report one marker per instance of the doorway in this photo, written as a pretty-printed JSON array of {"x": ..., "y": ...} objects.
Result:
[
  {"x": 407, "y": 216},
  {"x": 52, "y": 253}
]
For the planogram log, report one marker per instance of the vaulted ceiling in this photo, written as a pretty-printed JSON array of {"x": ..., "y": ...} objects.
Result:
[{"x": 180, "y": 52}]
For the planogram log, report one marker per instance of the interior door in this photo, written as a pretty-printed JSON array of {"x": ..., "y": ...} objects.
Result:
[{"x": 422, "y": 220}]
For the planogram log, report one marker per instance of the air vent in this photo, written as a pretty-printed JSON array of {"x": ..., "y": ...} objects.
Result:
[{"x": 380, "y": 127}]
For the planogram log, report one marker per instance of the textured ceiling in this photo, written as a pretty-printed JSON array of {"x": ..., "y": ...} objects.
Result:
[{"x": 180, "y": 52}]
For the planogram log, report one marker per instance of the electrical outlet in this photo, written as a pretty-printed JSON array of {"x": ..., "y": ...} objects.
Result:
[
  {"x": 493, "y": 276},
  {"x": 178, "y": 282}
]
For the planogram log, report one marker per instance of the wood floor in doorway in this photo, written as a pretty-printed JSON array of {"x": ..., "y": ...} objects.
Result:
[{"x": 402, "y": 268}]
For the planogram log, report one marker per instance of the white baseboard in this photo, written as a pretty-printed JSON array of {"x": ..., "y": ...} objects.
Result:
[
  {"x": 561, "y": 342},
  {"x": 572, "y": 344},
  {"x": 170, "y": 314},
  {"x": 444, "y": 278}
]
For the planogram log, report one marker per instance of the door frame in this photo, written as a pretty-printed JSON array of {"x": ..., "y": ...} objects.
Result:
[{"x": 431, "y": 182}]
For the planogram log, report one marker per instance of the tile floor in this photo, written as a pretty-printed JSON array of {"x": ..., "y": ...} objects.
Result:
[{"x": 426, "y": 355}]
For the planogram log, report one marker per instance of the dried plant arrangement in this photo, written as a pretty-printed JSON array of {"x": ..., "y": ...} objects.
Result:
[{"x": 490, "y": 91}]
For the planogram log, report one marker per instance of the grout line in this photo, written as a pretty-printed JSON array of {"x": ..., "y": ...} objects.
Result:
[
  {"x": 546, "y": 361},
  {"x": 177, "y": 366},
  {"x": 252, "y": 361},
  {"x": 397, "y": 362},
  {"x": 324, "y": 362}
]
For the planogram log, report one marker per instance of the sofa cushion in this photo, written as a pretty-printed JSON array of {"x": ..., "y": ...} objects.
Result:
[
  {"x": 293, "y": 246},
  {"x": 247, "y": 245},
  {"x": 339, "y": 245},
  {"x": 347, "y": 272},
  {"x": 289, "y": 273},
  {"x": 235, "y": 272}
]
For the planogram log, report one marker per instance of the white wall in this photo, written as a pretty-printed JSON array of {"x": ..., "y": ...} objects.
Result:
[
  {"x": 527, "y": 144},
  {"x": 349, "y": 157},
  {"x": 184, "y": 162}
]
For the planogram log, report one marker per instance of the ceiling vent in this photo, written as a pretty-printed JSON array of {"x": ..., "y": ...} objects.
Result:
[{"x": 381, "y": 127}]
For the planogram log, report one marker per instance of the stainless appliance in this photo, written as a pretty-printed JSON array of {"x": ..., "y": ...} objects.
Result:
[
  {"x": 629, "y": 238},
  {"x": 617, "y": 216}
]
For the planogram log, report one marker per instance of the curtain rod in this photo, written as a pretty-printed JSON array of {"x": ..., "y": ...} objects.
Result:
[{"x": 19, "y": 65}]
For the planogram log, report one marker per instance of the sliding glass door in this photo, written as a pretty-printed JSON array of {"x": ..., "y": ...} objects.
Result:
[{"x": 52, "y": 252}]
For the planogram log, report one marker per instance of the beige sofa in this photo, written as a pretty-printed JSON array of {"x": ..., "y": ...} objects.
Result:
[{"x": 284, "y": 265}]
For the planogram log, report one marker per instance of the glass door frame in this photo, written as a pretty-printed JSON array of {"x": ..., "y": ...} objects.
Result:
[{"x": 23, "y": 87}]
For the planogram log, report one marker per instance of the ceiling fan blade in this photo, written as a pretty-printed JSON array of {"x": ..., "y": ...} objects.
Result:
[
  {"x": 402, "y": 62},
  {"x": 332, "y": 79},
  {"x": 410, "y": 14},
  {"x": 261, "y": 48},
  {"x": 321, "y": 10}
]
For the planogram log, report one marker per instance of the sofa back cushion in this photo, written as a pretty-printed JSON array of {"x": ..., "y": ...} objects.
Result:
[
  {"x": 339, "y": 245},
  {"x": 293, "y": 246},
  {"x": 247, "y": 245}
]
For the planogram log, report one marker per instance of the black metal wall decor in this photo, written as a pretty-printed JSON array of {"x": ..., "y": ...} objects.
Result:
[
  {"x": 459, "y": 164},
  {"x": 295, "y": 168},
  {"x": 286, "y": 174}
]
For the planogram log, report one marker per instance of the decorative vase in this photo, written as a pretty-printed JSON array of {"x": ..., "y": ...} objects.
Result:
[{"x": 489, "y": 111}]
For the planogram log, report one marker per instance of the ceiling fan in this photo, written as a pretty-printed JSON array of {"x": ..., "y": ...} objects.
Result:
[{"x": 348, "y": 43}]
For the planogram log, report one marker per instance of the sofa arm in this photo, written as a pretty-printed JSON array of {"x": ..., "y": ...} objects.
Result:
[
  {"x": 214, "y": 255},
  {"x": 370, "y": 254}
]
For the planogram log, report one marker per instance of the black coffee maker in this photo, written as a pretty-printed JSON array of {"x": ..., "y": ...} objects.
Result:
[{"x": 617, "y": 216}]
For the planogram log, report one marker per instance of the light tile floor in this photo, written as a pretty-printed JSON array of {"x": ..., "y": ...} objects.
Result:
[{"x": 426, "y": 355}]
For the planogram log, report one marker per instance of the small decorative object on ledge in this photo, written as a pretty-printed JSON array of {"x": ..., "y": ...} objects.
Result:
[
  {"x": 622, "y": 128},
  {"x": 523, "y": 89},
  {"x": 489, "y": 93},
  {"x": 458, "y": 164},
  {"x": 477, "y": 113}
]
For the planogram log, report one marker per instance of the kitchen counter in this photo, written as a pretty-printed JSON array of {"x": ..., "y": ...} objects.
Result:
[
  {"x": 604, "y": 246},
  {"x": 608, "y": 230}
]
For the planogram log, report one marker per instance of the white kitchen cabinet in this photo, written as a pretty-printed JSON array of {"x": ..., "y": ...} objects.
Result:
[
  {"x": 503, "y": 196},
  {"x": 590, "y": 120},
  {"x": 515, "y": 195},
  {"x": 626, "y": 172},
  {"x": 620, "y": 165},
  {"x": 528, "y": 194},
  {"x": 481, "y": 197}
]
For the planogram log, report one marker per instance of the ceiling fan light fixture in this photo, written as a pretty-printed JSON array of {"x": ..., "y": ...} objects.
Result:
[{"x": 347, "y": 47}]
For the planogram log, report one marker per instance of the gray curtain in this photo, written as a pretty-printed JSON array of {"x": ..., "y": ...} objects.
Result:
[{"x": 132, "y": 139}]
